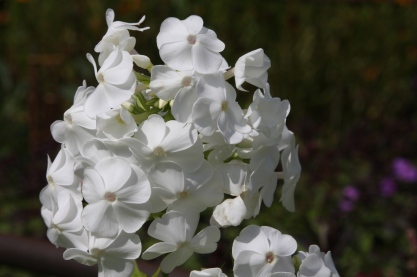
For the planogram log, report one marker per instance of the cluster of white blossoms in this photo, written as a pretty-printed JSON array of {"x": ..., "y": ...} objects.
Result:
[{"x": 175, "y": 143}]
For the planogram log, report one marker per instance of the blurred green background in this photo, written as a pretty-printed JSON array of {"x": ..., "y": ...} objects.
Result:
[{"x": 348, "y": 68}]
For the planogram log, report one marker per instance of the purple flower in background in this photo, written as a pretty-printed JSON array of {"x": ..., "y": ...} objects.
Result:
[
  {"x": 351, "y": 193},
  {"x": 387, "y": 187},
  {"x": 404, "y": 170},
  {"x": 346, "y": 205}
]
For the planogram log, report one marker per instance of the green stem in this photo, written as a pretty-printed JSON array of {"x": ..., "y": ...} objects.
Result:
[{"x": 229, "y": 74}]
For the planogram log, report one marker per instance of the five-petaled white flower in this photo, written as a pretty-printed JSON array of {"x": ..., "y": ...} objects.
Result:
[
  {"x": 316, "y": 264},
  {"x": 217, "y": 109},
  {"x": 114, "y": 256},
  {"x": 177, "y": 233},
  {"x": 187, "y": 45},
  {"x": 116, "y": 192},
  {"x": 117, "y": 83},
  {"x": 158, "y": 141},
  {"x": 258, "y": 251},
  {"x": 65, "y": 228}
]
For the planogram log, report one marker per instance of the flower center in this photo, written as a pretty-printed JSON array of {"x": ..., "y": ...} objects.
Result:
[
  {"x": 183, "y": 244},
  {"x": 159, "y": 151},
  {"x": 120, "y": 120},
  {"x": 192, "y": 39},
  {"x": 183, "y": 194},
  {"x": 186, "y": 82},
  {"x": 224, "y": 106},
  {"x": 270, "y": 257},
  {"x": 110, "y": 196},
  {"x": 68, "y": 119},
  {"x": 96, "y": 252},
  {"x": 100, "y": 78},
  {"x": 56, "y": 227},
  {"x": 50, "y": 181}
]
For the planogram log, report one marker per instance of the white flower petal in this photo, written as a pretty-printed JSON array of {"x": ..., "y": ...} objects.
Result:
[
  {"x": 169, "y": 228},
  {"x": 114, "y": 267},
  {"x": 230, "y": 212},
  {"x": 175, "y": 259},
  {"x": 205, "y": 114},
  {"x": 313, "y": 266},
  {"x": 281, "y": 245},
  {"x": 250, "y": 238},
  {"x": 158, "y": 249},
  {"x": 183, "y": 105},
  {"x": 125, "y": 246},
  {"x": 205, "y": 61},
  {"x": 99, "y": 218},
  {"x": 206, "y": 240},
  {"x": 177, "y": 55},
  {"x": 96, "y": 103},
  {"x": 130, "y": 216},
  {"x": 210, "y": 41},
  {"x": 80, "y": 256},
  {"x": 58, "y": 131},
  {"x": 248, "y": 263},
  {"x": 172, "y": 30},
  {"x": 93, "y": 188},
  {"x": 193, "y": 23},
  {"x": 115, "y": 172},
  {"x": 152, "y": 131}
]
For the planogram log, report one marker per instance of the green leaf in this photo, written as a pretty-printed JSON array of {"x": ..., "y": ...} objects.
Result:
[
  {"x": 137, "y": 272},
  {"x": 140, "y": 101},
  {"x": 152, "y": 101},
  {"x": 143, "y": 78},
  {"x": 139, "y": 118}
]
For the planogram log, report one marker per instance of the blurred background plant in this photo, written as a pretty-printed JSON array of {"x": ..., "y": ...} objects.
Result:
[{"x": 348, "y": 68}]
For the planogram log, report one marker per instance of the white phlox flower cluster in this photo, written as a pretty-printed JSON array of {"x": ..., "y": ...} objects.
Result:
[{"x": 165, "y": 143}]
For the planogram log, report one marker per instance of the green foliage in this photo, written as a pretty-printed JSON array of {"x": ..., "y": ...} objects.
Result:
[{"x": 137, "y": 272}]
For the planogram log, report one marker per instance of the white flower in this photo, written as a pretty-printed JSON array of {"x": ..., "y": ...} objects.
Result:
[
  {"x": 291, "y": 169},
  {"x": 177, "y": 234},
  {"x": 209, "y": 272},
  {"x": 116, "y": 192},
  {"x": 316, "y": 264},
  {"x": 267, "y": 114},
  {"x": 217, "y": 109},
  {"x": 116, "y": 27},
  {"x": 121, "y": 41},
  {"x": 65, "y": 228},
  {"x": 183, "y": 191},
  {"x": 117, "y": 36},
  {"x": 158, "y": 141},
  {"x": 115, "y": 257},
  {"x": 169, "y": 84},
  {"x": 259, "y": 251},
  {"x": 187, "y": 45},
  {"x": 117, "y": 83},
  {"x": 96, "y": 150},
  {"x": 237, "y": 182},
  {"x": 76, "y": 128},
  {"x": 116, "y": 124},
  {"x": 252, "y": 68},
  {"x": 60, "y": 177}
]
